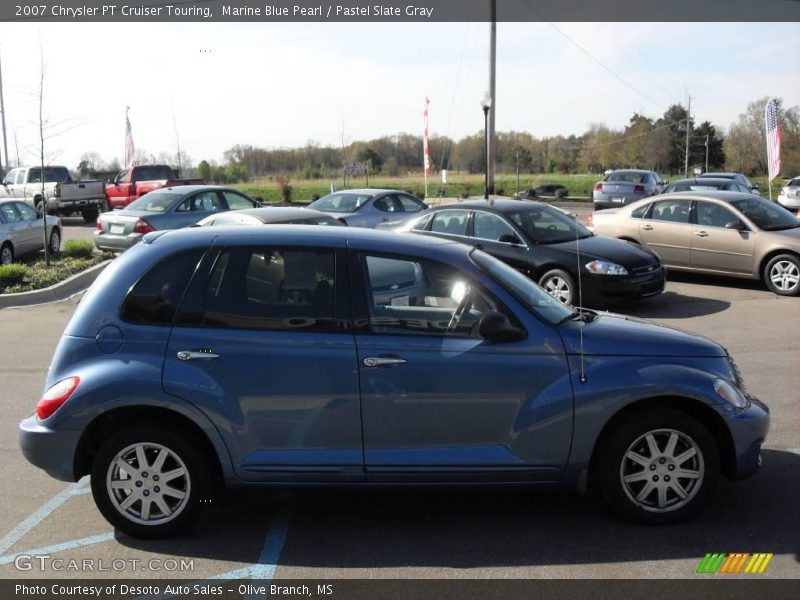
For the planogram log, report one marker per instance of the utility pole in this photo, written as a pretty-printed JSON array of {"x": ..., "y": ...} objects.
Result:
[
  {"x": 688, "y": 120},
  {"x": 706, "y": 171},
  {"x": 3, "y": 115},
  {"x": 492, "y": 79}
]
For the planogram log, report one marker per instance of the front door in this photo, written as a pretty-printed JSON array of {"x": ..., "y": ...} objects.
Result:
[
  {"x": 257, "y": 345},
  {"x": 667, "y": 231},
  {"x": 437, "y": 399},
  {"x": 717, "y": 247}
]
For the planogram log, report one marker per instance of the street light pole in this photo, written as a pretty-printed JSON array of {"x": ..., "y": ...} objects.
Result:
[{"x": 486, "y": 105}]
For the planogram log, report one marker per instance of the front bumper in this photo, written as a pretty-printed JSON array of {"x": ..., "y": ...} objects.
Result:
[
  {"x": 116, "y": 243},
  {"x": 51, "y": 450},
  {"x": 748, "y": 430},
  {"x": 613, "y": 286}
]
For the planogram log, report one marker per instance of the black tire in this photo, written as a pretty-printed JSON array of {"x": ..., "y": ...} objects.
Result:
[
  {"x": 90, "y": 215},
  {"x": 54, "y": 243},
  {"x": 559, "y": 284},
  {"x": 198, "y": 480},
  {"x": 561, "y": 193},
  {"x": 6, "y": 254},
  {"x": 661, "y": 423},
  {"x": 782, "y": 275}
]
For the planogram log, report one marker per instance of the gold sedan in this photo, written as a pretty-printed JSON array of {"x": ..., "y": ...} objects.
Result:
[{"x": 724, "y": 233}]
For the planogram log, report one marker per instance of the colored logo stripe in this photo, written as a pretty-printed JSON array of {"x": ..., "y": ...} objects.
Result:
[
  {"x": 711, "y": 563},
  {"x": 720, "y": 562},
  {"x": 758, "y": 563}
]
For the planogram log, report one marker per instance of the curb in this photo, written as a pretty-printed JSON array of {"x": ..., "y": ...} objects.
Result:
[{"x": 60, "y": 291}]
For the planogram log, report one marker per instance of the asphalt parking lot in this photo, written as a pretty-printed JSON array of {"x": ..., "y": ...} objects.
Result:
[{"x": 422, "y": 533}]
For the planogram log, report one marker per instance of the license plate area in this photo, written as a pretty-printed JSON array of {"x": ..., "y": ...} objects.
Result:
[{"x": 117, "y": 229}]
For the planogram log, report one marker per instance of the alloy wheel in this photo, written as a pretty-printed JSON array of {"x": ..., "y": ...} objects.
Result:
[
  {"x": 558, "y": 288},
  {"x": 55, "y": 242},
  {"x": 662, "y": 470},
  {"x": 6, "y": 256},
  {"x": 148, "y": 483},
  {"x": 785, "y": 276}
]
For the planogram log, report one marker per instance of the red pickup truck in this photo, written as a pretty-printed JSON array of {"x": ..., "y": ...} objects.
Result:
[{"x": 131, "y": 183}]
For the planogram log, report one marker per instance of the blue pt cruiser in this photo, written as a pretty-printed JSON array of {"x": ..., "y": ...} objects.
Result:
[{"x": 283, "y": 355}]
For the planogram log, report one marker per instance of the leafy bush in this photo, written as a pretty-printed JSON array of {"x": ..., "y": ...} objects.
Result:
[
  {"x": 12, "y": 274},
  {"x": 284, "y": 187},
  {"x": 78, "y": 248}
]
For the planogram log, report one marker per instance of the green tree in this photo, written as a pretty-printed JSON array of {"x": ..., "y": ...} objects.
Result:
[{"x": 204, "y": 170}]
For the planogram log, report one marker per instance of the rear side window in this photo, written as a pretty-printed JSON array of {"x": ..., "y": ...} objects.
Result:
[
  {"x": 639, "y": 212},
  {"x": 453, "y": 222},
  {"x": 154, "y": 299}
]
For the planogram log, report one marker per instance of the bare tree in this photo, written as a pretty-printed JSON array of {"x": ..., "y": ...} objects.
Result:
[{"x": 41, "y": 153}]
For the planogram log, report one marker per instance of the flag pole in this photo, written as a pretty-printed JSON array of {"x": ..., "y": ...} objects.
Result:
[{"x": 426, "y": 157}]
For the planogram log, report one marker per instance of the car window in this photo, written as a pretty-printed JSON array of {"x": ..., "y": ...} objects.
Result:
[
  {"x": 794, "y": 183},
  {"x": 270, "y": 289},
  {"x": 409, "y": 204},
  {"x": 710, "y": 214},
  {"x": 387, "y": 204},
  {"x": 10, "y": 177},
  {"x": 124, "y": 176},
  {"x": 10, "y": 213},
  {"x": 59, "y": 174},
  {"x": 237, "y": 201},
  {"x": 674, "y": 211},
  {"x": 340, "y": 202},
  {"x": 639, "y": 212},
  {"x": 487, "y": 226},
  {"x": 411, "y": 296},
  {"x": 153, "y": 173},
  {"x": 452, "y": 222},
  {"x": 546, "y": 225},
  {"x": 154, "y": 299},
  {"x": 766, "y": 215},
  {"x": 626, "y": 177},
  {"x": 28, "y": 214},
  {"x": 154, "y": 202},
  {"x": 202, "y": 202}
]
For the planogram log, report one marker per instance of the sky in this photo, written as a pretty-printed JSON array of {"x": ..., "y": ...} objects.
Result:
[{"x": 282, "y": 85}]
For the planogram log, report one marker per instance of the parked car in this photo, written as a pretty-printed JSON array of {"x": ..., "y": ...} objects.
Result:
[
  {"x": 737, "y": 177},
  {"x": 705, "y": 184},
  {"x": 543, "y": 243},
  {"x": 478, "y": 381},
  {"x": 624, "y": 186},
  {"x": 724, "y": 233},
  {"x": 58, "y": 195},
  {"x": 368, "y": 207},
  {"x": 130, "y": 184},
  {"x": 21, "y": 231},
  {"x": 554, "y": 190},
  {"x": 167, "y": 208},
  {"x": 789, "y": 196},
  {"x": 270, "y": 215}
]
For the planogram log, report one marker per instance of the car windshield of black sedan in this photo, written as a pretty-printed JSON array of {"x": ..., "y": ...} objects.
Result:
[
  {"x": 153, "y": 202},
  {"x": 545, "y": 225},
  {"x": 523, "y": 289},
  {"x": 340, "y": 203},
  {"x": 766, "y": 215}
]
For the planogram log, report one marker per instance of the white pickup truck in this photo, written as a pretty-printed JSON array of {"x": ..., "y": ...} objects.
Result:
[{"x": 62, "y": 195}]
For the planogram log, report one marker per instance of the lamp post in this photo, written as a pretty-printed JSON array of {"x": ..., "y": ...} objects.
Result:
[{"x": 486, "y": 105}]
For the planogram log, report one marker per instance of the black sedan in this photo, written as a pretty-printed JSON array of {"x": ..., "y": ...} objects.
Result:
[
  {"x": 705, "y": 184},
  {"x": 548, "y": 246}
]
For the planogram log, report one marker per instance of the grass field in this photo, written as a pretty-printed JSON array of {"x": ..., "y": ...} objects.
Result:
[{"x": 304, "y": 190}]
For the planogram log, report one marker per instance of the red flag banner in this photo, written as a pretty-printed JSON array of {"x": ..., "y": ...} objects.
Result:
[
  {"x": 426, "y": 155},
  {"x": 129, "y": 147}
]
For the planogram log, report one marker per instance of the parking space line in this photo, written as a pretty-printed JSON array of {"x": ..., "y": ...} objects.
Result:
[
  {"x": 87, "y": 541},
  {"x": 21, "y": 530}
]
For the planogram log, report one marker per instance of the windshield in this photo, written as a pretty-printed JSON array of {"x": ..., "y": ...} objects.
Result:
[
  {"x": 340, "y": 203},
  {"x": 522, "y": 288},
  {"x": 59, "y": 174},
  {"x": 153, "y": 202},
  {"x": 153, "y": 173},
  {"x": 545, "y": 225},
  {"x": 766, "y": 215}
]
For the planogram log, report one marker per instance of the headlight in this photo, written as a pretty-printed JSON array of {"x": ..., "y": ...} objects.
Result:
[
  {"x": 730, "y": 393},
  {"x": 603, "y": 267}
]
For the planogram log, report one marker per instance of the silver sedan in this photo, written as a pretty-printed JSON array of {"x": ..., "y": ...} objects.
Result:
[
  {"x": 21, "y": 231},
  {"x": 369, "y": 207},
  {"x": 625, "y": 186}
]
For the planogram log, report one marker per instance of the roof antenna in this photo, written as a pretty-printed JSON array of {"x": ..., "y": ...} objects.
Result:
[{"x": 582, "y": 377}]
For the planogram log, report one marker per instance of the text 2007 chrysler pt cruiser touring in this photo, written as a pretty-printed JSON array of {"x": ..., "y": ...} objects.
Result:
[{"x": 279, "y": 355}]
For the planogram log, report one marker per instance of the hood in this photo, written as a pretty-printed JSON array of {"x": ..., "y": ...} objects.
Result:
[
  {"x": 629, "y": 255},
  {"x": 618, "y": 335}
]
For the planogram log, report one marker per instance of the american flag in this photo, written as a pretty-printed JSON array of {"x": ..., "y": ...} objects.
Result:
[
  {"x": 426, "y": 155},
  {"x": 773, "y": 138},
  {"x": 129, "y": 147}
]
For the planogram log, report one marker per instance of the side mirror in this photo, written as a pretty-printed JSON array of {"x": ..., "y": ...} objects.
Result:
[
  {"x": 496, "y": 327},
  {"x": 736, "y": 224},
  {"x": 509, "y": 238}
]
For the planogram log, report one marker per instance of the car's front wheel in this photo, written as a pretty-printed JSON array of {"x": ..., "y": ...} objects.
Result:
[
  {"x": 559, "y": 284},
  {"x": 55, "y": 241},
  {"x": 149, "y": 481},
  {"x": 782, "y": 275},
  {"x": 658, "y": 466},
  {"x": 6, "y": 254}
]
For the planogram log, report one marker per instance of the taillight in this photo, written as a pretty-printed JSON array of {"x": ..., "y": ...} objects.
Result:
[
  {"x": 143, "y": 227},
  {"x": 99, "y": 225},
  {"x": 56, "y": 396},
  {"x": 590, "y": 220},
  {"x": 639, "y": 189},
  {"x": 598, "y": 187}
]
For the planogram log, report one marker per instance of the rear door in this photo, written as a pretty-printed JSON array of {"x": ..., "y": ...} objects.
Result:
[
  {"x": 667, "y": 230},
  {"x": 440, "y": 402},
  {"x": 259, "y": 347},
  {"x": 192, "y": 209},
  {"x": 717, "y": 247}
]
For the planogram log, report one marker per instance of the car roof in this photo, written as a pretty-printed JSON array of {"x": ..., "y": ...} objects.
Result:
[
  {"x": 725, "y": 196},
  {"x": 280, "y": 212},
  {"x": 188, "y": 189},
  {"x": 500, "y": 205},
  {"x": 706, "y": 180},
  {"x": 721, "y": 175},
  {"x": 631, "y": 171},
  {"x": 367, "y": 191}
]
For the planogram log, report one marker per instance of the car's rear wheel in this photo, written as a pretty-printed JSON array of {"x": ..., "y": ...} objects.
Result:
[
  {"x": 90, "y": 215},
  {"x": 149, "y": 481},
  {"x": 782, "y": 275},
  {"x": 55, "y": 241},
  {"x": 6, "y": 254},
  {"x": 559, "y": 284},
  {"x": 658, "y": 466}
]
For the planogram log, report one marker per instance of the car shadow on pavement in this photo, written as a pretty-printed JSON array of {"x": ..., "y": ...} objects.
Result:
[
  {"x": 672, "y": 305},
  {"x": 337, "y": 528}
]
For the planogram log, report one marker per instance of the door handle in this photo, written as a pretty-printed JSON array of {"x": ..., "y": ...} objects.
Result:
[
  {"x": 647, "y": 227},
  {"x": 196, "y": 354},
  {"x": 701, "y": 234},
  {"x": 381, "y": 361}
]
